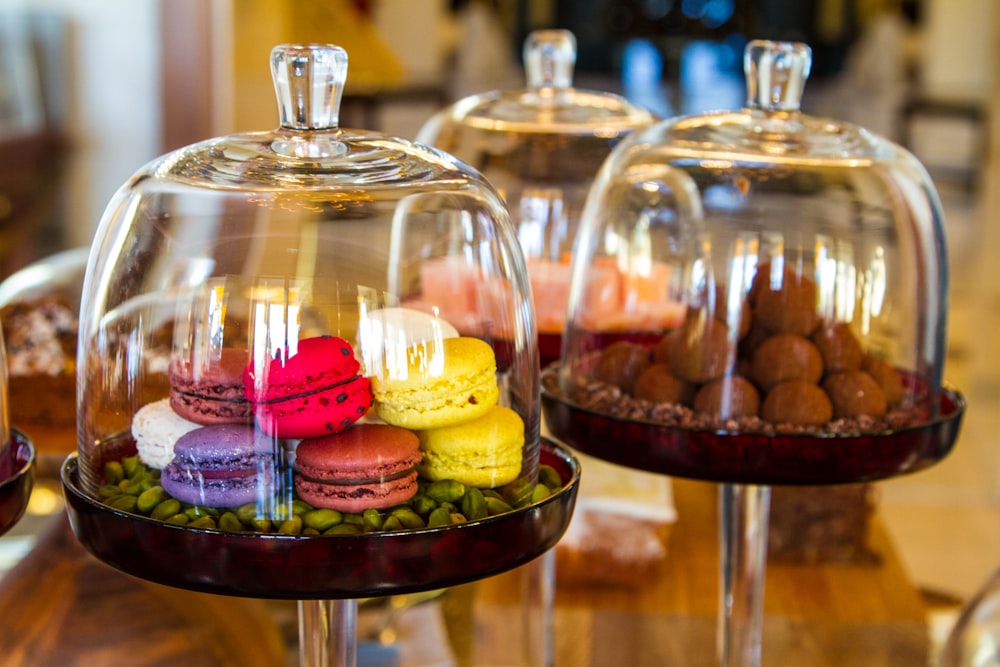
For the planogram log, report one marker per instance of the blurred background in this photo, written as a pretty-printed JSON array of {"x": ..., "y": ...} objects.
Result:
[{"x": 90, "y": 91}]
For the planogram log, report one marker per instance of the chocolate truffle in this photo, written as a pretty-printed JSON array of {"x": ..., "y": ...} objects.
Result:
[
  {"x": 728, "y": 397},
  {"x": 887, "y": 377},
  {"x": 839, "y": 347},
  {"x": 661, "y": 351},
  {"x": 797, "y": 402},
  {"x": 785, "y": 302},
  {"x": 784, "y": 357},
  {"x": 621, "y": 363},
  {"x": 700, "y": 349},
  {"x": 752, "y": 340},
  {"x": 855, "y": 393},
  {"x": 737, "y": 317},
  {"x": 658, "y": 385}
]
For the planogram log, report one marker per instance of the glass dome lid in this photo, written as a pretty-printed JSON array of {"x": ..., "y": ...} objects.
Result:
[
  {"x": 261, "y": 329},
  {"x": 549, "y": 104},
  {"x": 541, "y": 146},
  {"x": 804, "y": 263}
]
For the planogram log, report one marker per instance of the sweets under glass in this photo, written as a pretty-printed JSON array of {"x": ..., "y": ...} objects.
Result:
[
  {"x": 272, "y": 402},
  {"x": 542, "y": 146},
  {"x": 38, "y": 310},
  {"x": 807, "y": 259}
]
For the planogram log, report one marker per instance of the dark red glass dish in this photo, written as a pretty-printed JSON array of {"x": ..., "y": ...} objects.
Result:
[
  {"x": 549, "y": 348},
  {"x": 755, "y": 458},
  {"x": 321, "y": 567},
  {"x": 16, "y": 478}
]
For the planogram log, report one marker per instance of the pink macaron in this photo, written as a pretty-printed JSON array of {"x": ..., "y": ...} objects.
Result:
[
  {"x": 317, "y": 390},
  {"x": 365, "y": 466},
  {"x": 208, "y": 389}
]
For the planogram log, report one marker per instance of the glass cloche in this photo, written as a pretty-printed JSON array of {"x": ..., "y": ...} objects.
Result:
[
  {"x": 805, "y": 261},
  {"x": 270, "y": 358},
  {"x": 39, "y": 307},
  {"x": 541, "y": 146}
]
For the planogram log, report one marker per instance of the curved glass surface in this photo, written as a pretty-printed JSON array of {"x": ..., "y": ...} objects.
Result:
[
  {"x": 299, "y": 331},
  {"x": 796, "y": 278},
  {"x": 541, "y": 146}
]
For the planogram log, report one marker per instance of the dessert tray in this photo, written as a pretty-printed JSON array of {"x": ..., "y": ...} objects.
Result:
[
  {"x": 753, "y": 458},
  {"x": 327, "y": 566}
]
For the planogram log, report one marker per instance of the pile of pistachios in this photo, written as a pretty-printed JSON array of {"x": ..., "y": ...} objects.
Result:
[{"x": 131, "y": 486}]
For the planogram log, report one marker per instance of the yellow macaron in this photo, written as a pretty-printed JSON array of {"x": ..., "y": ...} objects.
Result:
[
  {"x": 443, "y": 382},
  {"x": 484, "y": 452}
]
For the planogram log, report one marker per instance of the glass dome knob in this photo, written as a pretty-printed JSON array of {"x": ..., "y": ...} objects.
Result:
[
  {"x": 776, "y": 74},
  {"x": 309, "y": 81},
  {"x": 549, "y": 57}
]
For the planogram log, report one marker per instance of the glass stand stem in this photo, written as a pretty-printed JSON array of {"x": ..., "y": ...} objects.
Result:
[
  {"x": 743, "y": 522},
  {"x": 328, "y": 633},
  {"x": 538, "y": 584}
]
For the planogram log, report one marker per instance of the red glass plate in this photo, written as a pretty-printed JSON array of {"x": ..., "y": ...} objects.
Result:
[
  {"x": 322, "y": 567},
  {"x": 16, "y": 478},
  {"x": 754, "y": 458}
]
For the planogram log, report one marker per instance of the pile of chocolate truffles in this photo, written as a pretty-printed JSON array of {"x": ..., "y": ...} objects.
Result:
[{"x": 784, "y": 364}]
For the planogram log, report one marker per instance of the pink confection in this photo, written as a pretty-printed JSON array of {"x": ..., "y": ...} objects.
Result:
[
  {"x": 613, "y": 299},
  {"x": 365, "y": 466},
  {"x": 208, "y": 389},
  {"x": 316, "y": 391},
  {"x": 447, "y": 283},
  {"x": 550, "y": 289},
  {"x": 459, "y": 293}
]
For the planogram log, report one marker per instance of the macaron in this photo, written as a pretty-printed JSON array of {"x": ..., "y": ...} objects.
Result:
[
  {"x": 485, "y": 452},
  {"x": 208, "y": 389},
  {"x": 155, "y": 428},
  {"x": 222, "y": 465},
  {"x": 442, "y": 383},
  {"x": 317, "y": 390},
  {"x": 366, "y": 466}
]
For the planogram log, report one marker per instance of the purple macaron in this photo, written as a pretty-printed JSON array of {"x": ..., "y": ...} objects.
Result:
[{"x": 224, "y": 465}]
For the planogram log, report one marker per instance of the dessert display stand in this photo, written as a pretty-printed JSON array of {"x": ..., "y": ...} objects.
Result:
[
  {"x": 326, "y": 574},
  {"x": 17, "y": 460},
  {"x": 779, "y": 230},
  {"x": 746, "y": 466}
]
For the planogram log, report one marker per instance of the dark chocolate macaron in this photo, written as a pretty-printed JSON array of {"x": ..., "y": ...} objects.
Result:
[{"x": 223, "y": 465}]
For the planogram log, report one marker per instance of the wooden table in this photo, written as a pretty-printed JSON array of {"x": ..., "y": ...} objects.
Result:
[
  {"x": 815, "y": 615},
  {"x": 61, "y": 606}
]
